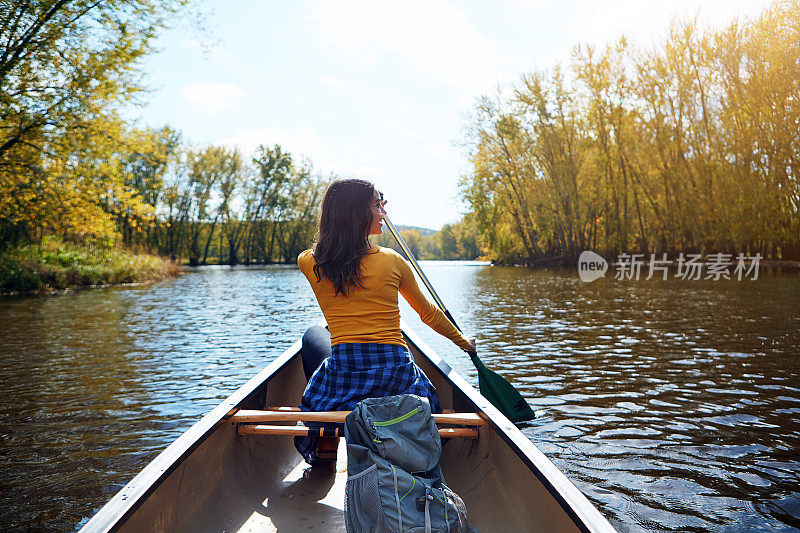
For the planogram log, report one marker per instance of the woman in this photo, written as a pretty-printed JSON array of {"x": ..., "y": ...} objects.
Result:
[{"x": 356, "y": 285}]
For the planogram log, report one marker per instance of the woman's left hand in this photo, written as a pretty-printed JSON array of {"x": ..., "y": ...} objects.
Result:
[{"x": 473, "y": 346}]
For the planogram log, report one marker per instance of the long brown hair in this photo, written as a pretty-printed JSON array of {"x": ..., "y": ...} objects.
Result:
[{"x": 344, "y": 221}]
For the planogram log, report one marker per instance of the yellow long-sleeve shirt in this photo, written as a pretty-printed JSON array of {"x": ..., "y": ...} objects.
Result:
[{"x": 371, "y": 314}]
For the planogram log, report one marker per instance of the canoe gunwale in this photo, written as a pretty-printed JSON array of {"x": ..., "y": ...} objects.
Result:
[
  {"x": 116, "y": 511},
  {"x": 582, "y": 512}
]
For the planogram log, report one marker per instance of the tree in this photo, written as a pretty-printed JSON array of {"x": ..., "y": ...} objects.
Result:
[
  {"x": 208, "y": 168},
  {"x": 298, "y": 221},
  {"x": 690, "y": 146},
  {"x": 65, "y": 66},
  {"x": 150, "y": 153},
  {"x": 274, "y": 167}
]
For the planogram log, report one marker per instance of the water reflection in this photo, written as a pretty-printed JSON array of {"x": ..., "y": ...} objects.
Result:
[
  {"x": 673, "y": 405},
  {"x": 96, "y": 383}
]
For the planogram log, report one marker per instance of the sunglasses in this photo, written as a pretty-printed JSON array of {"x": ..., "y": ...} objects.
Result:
[{"x": 381, "y": 201}]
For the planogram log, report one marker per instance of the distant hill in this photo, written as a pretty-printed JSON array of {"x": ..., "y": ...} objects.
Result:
[{"x": 426, "y": 232}]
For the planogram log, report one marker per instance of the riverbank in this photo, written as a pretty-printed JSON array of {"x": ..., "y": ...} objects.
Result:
[
  {"x": 55, "y": 265},
  {"x": 563, "y": 261}
]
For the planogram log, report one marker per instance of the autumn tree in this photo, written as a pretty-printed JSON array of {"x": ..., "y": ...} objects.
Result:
[
  {"x": 65, "y": 68},
  {"x": 688, "y": 146}
]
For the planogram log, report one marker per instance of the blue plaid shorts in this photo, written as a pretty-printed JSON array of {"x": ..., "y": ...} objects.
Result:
[{"x": 356, "y": 371}]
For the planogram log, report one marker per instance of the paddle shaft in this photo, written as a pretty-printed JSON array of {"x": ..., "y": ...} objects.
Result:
[
  {"x": 492, "y": 385},
  {"x": 419, "y": 271}
]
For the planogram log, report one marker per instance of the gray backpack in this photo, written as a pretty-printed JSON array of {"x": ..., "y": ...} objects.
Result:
[{"x": 394, "y": 481}]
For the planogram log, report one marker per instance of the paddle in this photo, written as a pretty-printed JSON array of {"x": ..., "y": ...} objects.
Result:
[{"x": 492, "y": 385}]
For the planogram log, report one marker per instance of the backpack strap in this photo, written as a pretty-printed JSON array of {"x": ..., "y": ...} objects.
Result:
[
  {"x": 428, "y": 498},
  {"x": 397, "y": 499}
]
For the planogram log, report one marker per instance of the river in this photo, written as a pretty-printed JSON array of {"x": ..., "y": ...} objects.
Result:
[{"x": 673, "y": 405}]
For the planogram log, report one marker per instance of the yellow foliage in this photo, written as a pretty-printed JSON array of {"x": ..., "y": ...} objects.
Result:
[{"x": 689, "y": 146}]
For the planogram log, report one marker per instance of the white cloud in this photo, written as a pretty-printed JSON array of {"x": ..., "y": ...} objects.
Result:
[
  {"x": 303, "y": 142},
  {"x": 351, "y": 88},
  {"x": 338, "y": 84},
  {"x": 560, "y": 26},
  {"x": 191, "y": 43},
  {"x": 403, "y": 128},
  {"x": 210, "y": 99},
  {"x": 648, "y": 22},
  {"x": 443, "y": 151},
  {"x": 429, "y": 39}
]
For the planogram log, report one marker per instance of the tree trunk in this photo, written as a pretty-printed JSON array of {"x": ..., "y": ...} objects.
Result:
[{"x": 210, "y": 236}]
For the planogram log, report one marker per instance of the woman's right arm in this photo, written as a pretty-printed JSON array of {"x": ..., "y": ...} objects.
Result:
[{"x": 428, "y": 312}]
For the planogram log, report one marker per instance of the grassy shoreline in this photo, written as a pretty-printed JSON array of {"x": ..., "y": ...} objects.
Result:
[{"x": 54, "y": 265}]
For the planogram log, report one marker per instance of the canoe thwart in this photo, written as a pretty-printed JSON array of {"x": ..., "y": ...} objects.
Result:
[
  {"x": 298, "y": 410},
  {"x": 298, "y": 431},
  {"x": 337, "y": 417},
  {"x": 331, "y": 431}
]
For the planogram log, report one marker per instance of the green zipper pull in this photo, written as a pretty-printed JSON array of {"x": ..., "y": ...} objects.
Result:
[{"x": 400, "y": 418}]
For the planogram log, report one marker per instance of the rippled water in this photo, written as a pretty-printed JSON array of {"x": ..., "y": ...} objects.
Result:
[{"x": 674, "y": 406}]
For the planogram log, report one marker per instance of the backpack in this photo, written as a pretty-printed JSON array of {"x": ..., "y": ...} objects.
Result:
[{"x": 394, "y": 482}]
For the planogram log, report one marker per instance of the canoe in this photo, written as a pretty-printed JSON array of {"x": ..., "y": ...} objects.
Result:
[{"x": 213, "y": 478}]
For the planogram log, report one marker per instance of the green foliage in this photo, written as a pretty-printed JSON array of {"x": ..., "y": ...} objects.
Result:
[
  {"x": 65, "y": 68},
  {"x": 457, "y": 241},
  {"x": 53, "y": 264},
  {"x": 454, "y": 241},
  {"x": 214, "y": 205},
  {"x": 689, "y": 146},
  {"x": 207, "y": 169},
  {"x": 71, "y": 167}
]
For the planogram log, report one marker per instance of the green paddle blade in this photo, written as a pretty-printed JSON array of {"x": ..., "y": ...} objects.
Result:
[{"x": 502, "y": 394}]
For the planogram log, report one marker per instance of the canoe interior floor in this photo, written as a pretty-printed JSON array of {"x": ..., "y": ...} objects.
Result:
[{"x": 304, "y": 500}]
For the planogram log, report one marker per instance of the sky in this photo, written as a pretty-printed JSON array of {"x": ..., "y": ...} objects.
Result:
[{"x": 380, "y": 90}]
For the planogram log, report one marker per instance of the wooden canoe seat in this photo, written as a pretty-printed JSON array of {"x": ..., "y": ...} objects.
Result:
[{"x": 249, "y": 422}]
